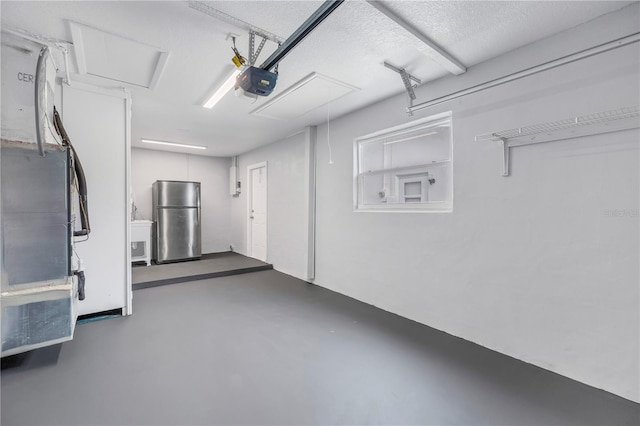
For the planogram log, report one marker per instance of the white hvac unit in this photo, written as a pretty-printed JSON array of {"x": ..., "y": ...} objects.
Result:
[{"x": 41, "y": 283}]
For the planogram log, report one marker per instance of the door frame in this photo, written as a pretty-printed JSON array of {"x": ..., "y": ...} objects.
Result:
[{"x": 249, "y": 204}]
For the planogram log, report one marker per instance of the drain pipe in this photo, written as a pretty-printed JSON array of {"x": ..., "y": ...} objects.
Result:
[{"x": 304, "y": 30}]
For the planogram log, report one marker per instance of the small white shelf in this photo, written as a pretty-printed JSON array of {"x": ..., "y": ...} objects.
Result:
[{"x": 591, "y": 124}]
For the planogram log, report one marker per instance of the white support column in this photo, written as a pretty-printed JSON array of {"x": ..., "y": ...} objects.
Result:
[{"x": 310, "y": 178}]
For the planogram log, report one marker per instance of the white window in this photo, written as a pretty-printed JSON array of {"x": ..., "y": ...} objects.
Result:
[{"x": 405, "y": 168}]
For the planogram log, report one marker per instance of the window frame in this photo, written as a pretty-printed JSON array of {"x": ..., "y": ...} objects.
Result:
[{"x": 398, "y": 173}]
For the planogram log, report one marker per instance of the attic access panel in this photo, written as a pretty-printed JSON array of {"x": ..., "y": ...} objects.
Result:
[
  {"x": 110, "y": 56},
  {"x": 313, "y": 91}
]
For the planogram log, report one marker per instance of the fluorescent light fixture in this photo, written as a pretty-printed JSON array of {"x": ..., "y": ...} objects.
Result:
[
  {"x": 222, "y": 90},
  {"x": 181, "y": 145}
]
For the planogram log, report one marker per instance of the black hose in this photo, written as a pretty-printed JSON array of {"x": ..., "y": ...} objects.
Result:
[
  {"x": 81, "y": 282},
  {"x": 82, "y": 181}
]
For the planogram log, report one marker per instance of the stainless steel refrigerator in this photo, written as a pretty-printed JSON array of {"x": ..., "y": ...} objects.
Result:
[{"x": 176, "y": 217}]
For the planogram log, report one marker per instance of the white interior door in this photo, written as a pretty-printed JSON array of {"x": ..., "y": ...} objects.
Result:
[{"x": 257, "y": 212}]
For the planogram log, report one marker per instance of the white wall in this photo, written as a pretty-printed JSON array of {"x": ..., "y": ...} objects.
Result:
[
  {"x": 96, "y": 120},
  {"x": 147, "y": 166},
  {"x": 287, "y": 199},
  {"x": 529, "y": 265}
]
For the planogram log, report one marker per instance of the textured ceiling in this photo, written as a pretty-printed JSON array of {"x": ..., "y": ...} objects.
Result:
[{"x": 350, "y": 46}]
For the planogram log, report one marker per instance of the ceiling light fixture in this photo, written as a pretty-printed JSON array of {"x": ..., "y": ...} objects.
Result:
[
  {"x": 222, "y": 90},
  {"x": 181, "y": 145}
]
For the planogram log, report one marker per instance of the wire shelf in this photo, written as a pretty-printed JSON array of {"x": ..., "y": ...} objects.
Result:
[
  {"x": 569, "y": 123},
  {"x": 590, "y": 124}
]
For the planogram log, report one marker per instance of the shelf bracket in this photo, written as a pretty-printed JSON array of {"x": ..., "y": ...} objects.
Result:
[
  {"x": 616, "y": 120},
  {"x": 506, "y": 155},
  {"x": 406, "y": 80}
]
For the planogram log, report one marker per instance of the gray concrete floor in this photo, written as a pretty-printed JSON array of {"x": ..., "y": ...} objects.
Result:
[
  {"x": 265, "y": 348},
  {"x": 212, "y": 265}
]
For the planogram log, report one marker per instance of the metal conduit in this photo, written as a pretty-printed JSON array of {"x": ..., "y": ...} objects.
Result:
[
  {"x": 39, "y": 89},
  {"x": 633, "y": 38}
]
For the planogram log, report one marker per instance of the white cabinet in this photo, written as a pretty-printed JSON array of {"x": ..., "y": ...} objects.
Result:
[{"x": 141, "y": 241}]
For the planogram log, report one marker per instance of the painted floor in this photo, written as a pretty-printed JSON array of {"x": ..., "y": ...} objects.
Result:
[
  {"x": 211, "y": 265},
  {"x": 265, "y": 348}
]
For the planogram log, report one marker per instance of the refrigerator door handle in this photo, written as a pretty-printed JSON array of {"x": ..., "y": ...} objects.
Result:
[{"x": 198, "y": 205}]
